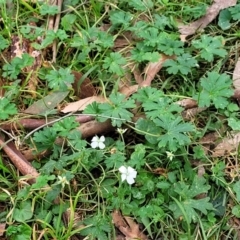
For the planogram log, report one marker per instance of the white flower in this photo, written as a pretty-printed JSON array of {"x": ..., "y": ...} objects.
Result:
[
  {"x": 170, "y": 155},
  {"x": 121, "y": 131},
  {"x": 98, "y": 142},
  {"x": 128, "y": 174},
  {"x": 63, "y": 181}
]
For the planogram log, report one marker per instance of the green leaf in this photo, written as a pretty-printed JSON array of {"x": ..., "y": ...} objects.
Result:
[
  {"x": 148, "y": 94},
  {"x": 117, "y": 109},
  {"x": 137, "y": 159},
  {"x": 120, "y": 18},
  {"x": 115, "y": 160},
  {"x": 232, "y": 107},
  {"x": 151, "y": 211},
  {"x": 101, "y": 40},
  {"x": 24, "y": 212},
  {"x": 140, "y": 56},
  {"x": 48, "y": 167},
  {"x": 236, "y": 211},
  {"x": 94, "y": 109},
  {"x": 4, "y": 43},
  {"x": 45, "y": 138},
  {"x": 182, "y": 64},
  {"x": 44, "y": 215},
  {"x": 141, "y": 5},
  {"x": 174, "y": 132},
  {"x": 42, "y": 181},
  {"x": 210, "y": 47},
  {"x": 218, "y": 173},
  {"x": 234, "y": 124},
  {"x": 50, "y": 37},
  {"x": 114, "y": 63},
  {"x": 169, "y": 46},
  {"x": 52, "y": 194},
  {"x": 235, "y": 11},
  {"x": 236, "y": 188},
  {"x": 60, "y": 79},
  {"x": 97, "y": 227},
  {"x": 216, "y": 89},
  {"x": 164, "y": 106},
  {"x": 224, "y": 19},
  {"x": 196, "y": 11},
  {"x": 47, "y": 9},
  {"x": 198, "y": 186},
  {"x": 199, "y": 204},
  {"x": 163, "y": 185},
  {"x": 61, "y": 34},
  {"x": 19, "y": 232},
  {"x": 75, "y": 141},
  {"x": 150, "y": 36},
  {"x": 199, "y": 152},
  {"x": 186, "y": 201},
  {"x": 80, "y": 41},
  {"x": 64, "y": 126},
  {"x": 149, "y": 129},
  {"x": 161, "y": 21},
  {"x": 31, "y": 32},
  {"x": 6, "y": 108},
  {"x": 12, "y": 69},
  {"x": 67, "y": 21}
]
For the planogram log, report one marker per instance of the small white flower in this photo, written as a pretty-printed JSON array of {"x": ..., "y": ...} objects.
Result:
[
  {"x": 170, "y": 155},
  {"x": 63, "y": 181},
  {"x": 121, "y": 130},
  {"x": 128, "y": 174},
  {"x": 98, "y": 142}
]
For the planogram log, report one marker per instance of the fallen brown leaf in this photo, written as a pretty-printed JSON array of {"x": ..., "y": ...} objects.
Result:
[
  {"x": 236, "y": 75},
  {"x": 160, "y": 171},
  {"x": 83, "y": 87},
  {"x": 152, "y": 69},
  {"x": 47, "y": 103},
  {"x": 137, "y": 75},
  {"x": 81, "y": 104},
  {"x": 19, "y": 160},
  {"x": 236, "y": 95},
  {"x": 123, "y": 41},
  {"x": 190, "y": 113},
  {"x": 31, "y": 123},
  {"x": 2, "y": 228},
  {"x": 210, "y": 15},
  {"x": 2, "y": 91},
  {"x": 128, "y": 90},
  {"x": 187, "y": 103},
  {"x": 92, "y": 128},
  {"x": 127, "y": 226},
  {"x": 227, "y": 146},
  {"x": 209, "y": 138},
  {"x": 235, "y": 223}
]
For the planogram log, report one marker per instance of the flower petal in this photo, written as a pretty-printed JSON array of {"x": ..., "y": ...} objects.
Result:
[
  {"x": 60, "y": 178},
  {"x": 94, "y": 144},
  {"x": 132, "y": 172},
  {"x": 130, "y": 180},
  {"x": 101, "y": 145},
  {"x": 102, "y": 139},
  {"x": 123, "y": 169},
  {"x": 95, "y": 139},
  {"x": 123, "y": 177}
]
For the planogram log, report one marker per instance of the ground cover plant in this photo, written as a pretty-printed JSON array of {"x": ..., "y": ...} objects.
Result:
[{"x": 119, "y": 119}]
